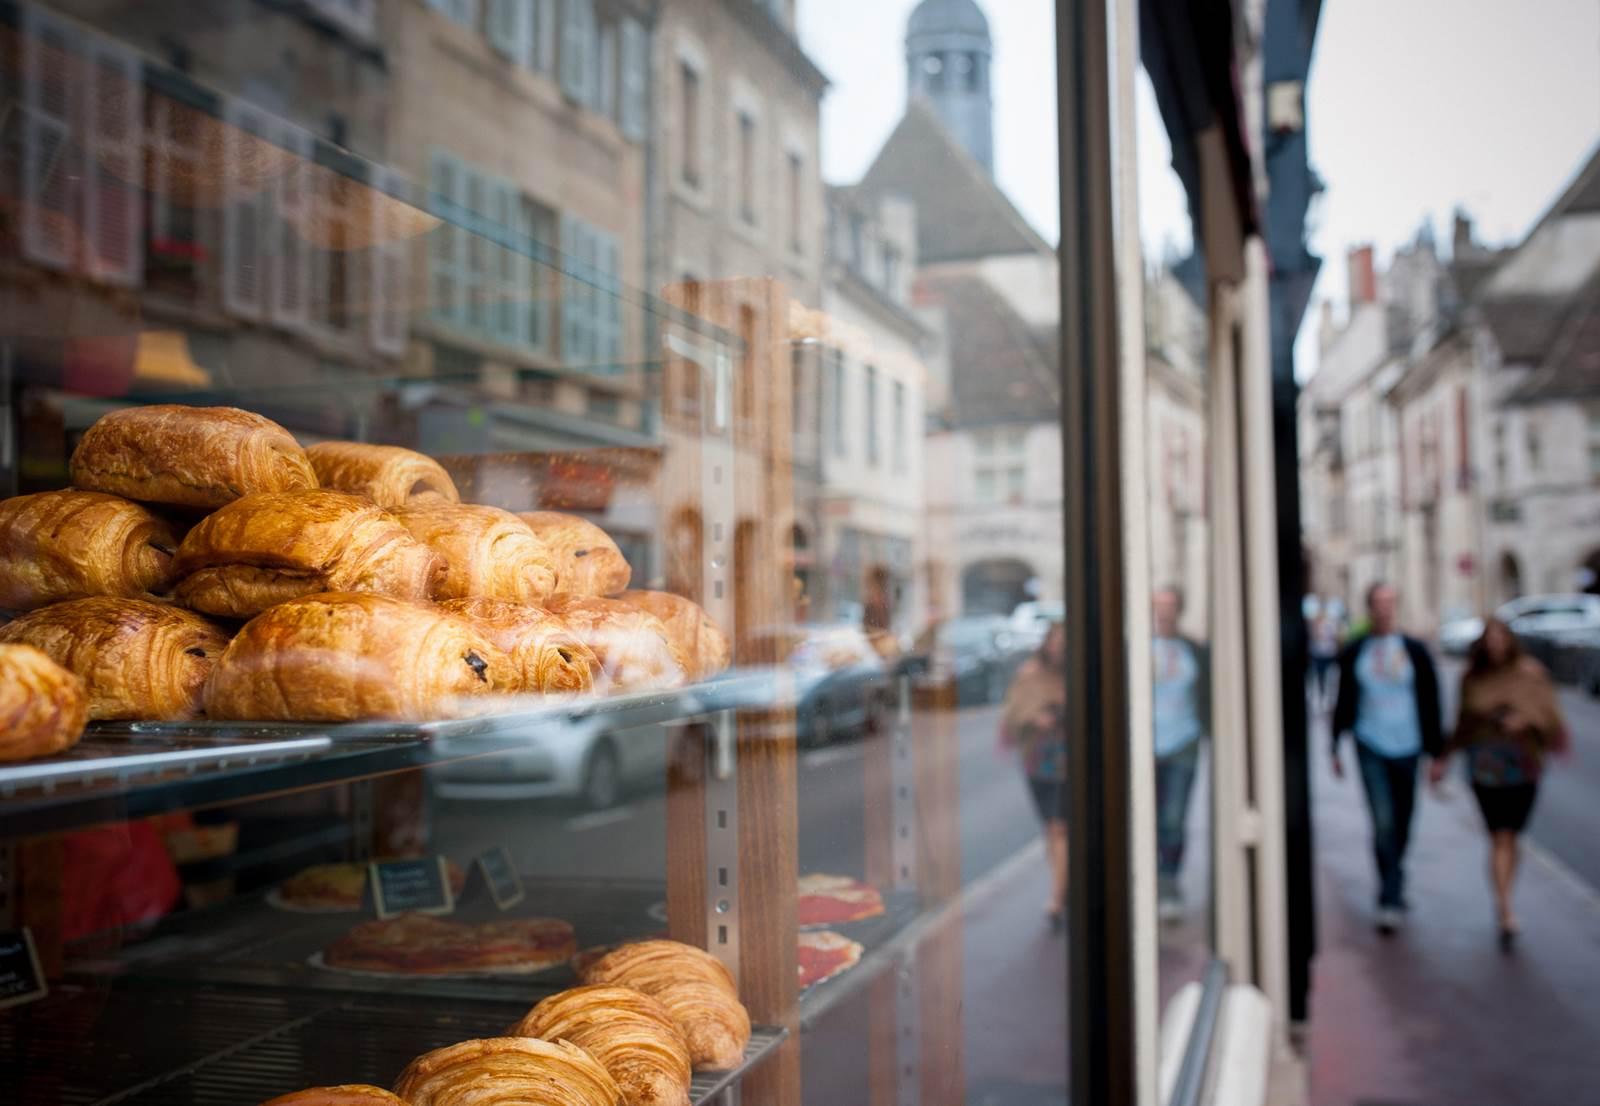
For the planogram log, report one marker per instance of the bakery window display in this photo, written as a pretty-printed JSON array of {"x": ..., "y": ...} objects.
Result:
[
  {"x": 138, "y": 660},
  {"x": 388, "y": 475},
  {"x": 338, "y": 888},
  {"x": 587, "y": 561},
  {"x": 487, "y": 552},
  {"x": 75, "y": 544},
  {"x": 628, "y": 1032},
  {"x": 507, "y": 1071},
  {"x": 42, "y": 706},
  {"x": 424, "y": 945},
  {"x": 272, "y": 547},
  {"x": 195, "y": 457},
  {"x": 695, "y": 989},
  {"x": 545, "y": 651},
  {"x": 636, "y": 650}
]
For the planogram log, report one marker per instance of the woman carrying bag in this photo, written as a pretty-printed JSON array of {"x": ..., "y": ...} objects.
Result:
[
  {"x": 1508, "y": 723},
  {"x": 1033, "y": 723}
]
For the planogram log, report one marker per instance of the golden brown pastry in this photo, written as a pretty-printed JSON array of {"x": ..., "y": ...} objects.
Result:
[
  {"x": 189, "y": 456},
  {"x": 630, "y": 1033},
  {"x": 386, "y": 474},
  {"x": 634, "y": 648},
  {"x": 587, "y": 561},
  {"x": 489, "y": 552},
  {"x": 73, "y": 544},
  {"x": 267, "y": 548},
  {"x": 42, "y": 706},
  {"x": 507, "y": 1071},
  {"x": 693, "y": 986},
  {"x": 545, "y": 651},
  {"x": 138, "y": 659},
  {"x": 350, "y": 1094},
  {"x": 341, "y": 657},
  {"x": 688, "y": 627}
]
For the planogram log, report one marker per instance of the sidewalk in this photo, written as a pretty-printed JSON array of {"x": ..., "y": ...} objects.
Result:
[{"x": 1438, "y": 1014}]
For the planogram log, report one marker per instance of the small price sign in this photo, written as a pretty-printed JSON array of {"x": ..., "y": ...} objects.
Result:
[
  {"x": 21, "y": 979},
  {"x": 420, "y": 886},
  {"x": 500, "y": 876}
]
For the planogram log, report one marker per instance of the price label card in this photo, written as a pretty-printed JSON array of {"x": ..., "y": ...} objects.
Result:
[
  {"x": 21, "y": 979},
  {"x": 420, "y": 886},
  {"x": 500, "y": 874}
]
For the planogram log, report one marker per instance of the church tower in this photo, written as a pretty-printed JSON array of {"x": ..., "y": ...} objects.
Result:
[{"x": 948, "y": 57}]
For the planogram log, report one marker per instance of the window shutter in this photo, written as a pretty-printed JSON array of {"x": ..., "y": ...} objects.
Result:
[
  {"x": 635, "y": 78},
  {"x": 446, "y": 247},
  {"x": 50, "y": 161},
  {"x": 243, "y": 261},
  {"x": 577, "y": 50},
  {"x": 509, "y": 297},
  {"x": 609, "y": 314},
  {"x": 578, "y": 292},
  {"x": 510, "y": 28},
  {"x": 472, "y": 185},
  {"x": 290, "y": 266},
  {"x": 114, "y": 215},
  {"x": 387, "y": 283},
  {"x": 606, "y": 73},
  {"x": 543, "y": 35},
  {"x": 525, "y": 330}
]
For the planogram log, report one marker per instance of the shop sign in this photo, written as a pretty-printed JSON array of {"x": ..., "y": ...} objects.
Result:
[
  {"x": 21, "y": 979},
  {"x": 500, "y": 876},
  {"x": 420, "y": 886}
]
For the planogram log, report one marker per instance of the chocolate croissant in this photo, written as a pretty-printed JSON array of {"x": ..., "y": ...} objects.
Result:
[
  {"x": 630, "y": 1033},
  {"x": 42, "y": 706},
  {"x": 73, "y": 544},
  {"x": 587, "y": 561},
  {"x": 189, "y": 456},
  {"x": 342, "y": 657},
  {"x": 507, "y": 1071},
  {"x": 634, "y": 647},
  {"x": 268, "y": 548},
  {"x": 350, "y": 1094},
  {"x": 489, "y": 552},
  {"x": 139, "y": 660},
  {"x": 544, "y": 650},
  {"x": 386, "y": 474},
  {"x": 693, "y": 987},
  {"x": 688, "y": 627}
]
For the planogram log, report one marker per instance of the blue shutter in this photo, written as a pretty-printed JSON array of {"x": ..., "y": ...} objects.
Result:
[
  {"x": 574, "y": 325},
  {"x": 635, "y": 79},
  {"x": 510, "y": 29},
  {"x": 608, "y": 314},
  {"x": 543, "y": 35},
  {"x": 447, "y": 245},
  {"x": 578, "y": 79}
]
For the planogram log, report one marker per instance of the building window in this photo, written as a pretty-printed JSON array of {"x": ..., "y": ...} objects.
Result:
[
  {"x": 1501, "y": 460},
  {"x": 591, "y": 315},
  {"x": 689, "y": 120},
  {"x": 870, "y": 414},
  {"x": 891, "y": 270},
  {"x": 1000, "y": 468},
  {"x": 173, "y": 248},
  {"x": 967, "y": 72},
  {"x": 796, "y": 189},
  {"x": 836, "y": 408},
  {"x": 1530, "y": 435},
  {"x": 635, "y": 79},
  {"x": 933, "y": 68},
  {"x": 1594, "y": 445},
  {"x": 747, "y": 168},
  {"x": 897, "y": 427},
  {"x": 580, "y": 52},
  {"x": 464, "y": 12}
]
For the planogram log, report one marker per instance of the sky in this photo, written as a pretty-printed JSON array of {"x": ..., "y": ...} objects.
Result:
[{"x": 1414, "y": 107}]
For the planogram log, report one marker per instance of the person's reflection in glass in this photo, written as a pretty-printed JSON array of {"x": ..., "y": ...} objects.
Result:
[
  {"x": 1033, "y": 722},
  {"x": 1182, "y": 684}
]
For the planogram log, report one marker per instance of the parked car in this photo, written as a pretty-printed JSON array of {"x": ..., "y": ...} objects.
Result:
[
  {"x": 1544, "y": 624},
  {"x": 979, "y": 653},
  {"x": 585, "y": 759},
  {"x": 1457, "y": 635},
  {"x": 1031, "y": 621},
  {"x": 1582, "y": 654},
  {"x": 841, "y": 681}
]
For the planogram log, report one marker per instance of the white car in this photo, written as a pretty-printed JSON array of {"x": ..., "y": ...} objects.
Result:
[
  {"x": 583, "y": 758},
  {"x": 1458, "y": 635},
  {"x": 1031, "y": 621}
]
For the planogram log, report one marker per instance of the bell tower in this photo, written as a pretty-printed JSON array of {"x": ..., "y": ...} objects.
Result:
[{"x": 948, "y": 59}]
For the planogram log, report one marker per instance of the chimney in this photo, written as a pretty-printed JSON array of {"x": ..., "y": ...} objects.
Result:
[
  {"x": 1461, "y": 242},
  {"x": 1363, "y": 276}
]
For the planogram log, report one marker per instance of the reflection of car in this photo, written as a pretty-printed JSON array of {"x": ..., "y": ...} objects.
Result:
[
  {"x": 841, "y": 681},
  {"x": 978, "y": 653},
  {"x": 1457, "y": 635},
  {"x": 1031, "y": 621},
  {"x": 583, "y": 759},
  {"x": 1579, "y": 660},
  {"x": 1544, "y": 623}
]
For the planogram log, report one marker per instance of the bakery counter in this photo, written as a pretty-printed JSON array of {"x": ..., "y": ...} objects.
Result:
[{"x": 126, "y": 770}]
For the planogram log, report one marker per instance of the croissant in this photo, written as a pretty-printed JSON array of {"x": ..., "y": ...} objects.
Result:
[
  {"x": 489, "y": 552},
  {"x": 138, "y": 659},
  {"x": 346, "y": 656},
  {"x": 630, "y": 1033},
  {"x": 688, "y": 627},
  {"x": 72, "y": 544},
  {"x": 507, "y": 1071},
  {"x": 386, "y": 474},
  {"x": 693, "y": 986},
  {"x": 189, "y": 456},
  {"x": 42, "y": 706},
  {"x": 270, "y": 547},
  {"x": 634, "y": 648},
  {"x": 587, "y": 561},
  {"x": 547, "y": 654},
  {"x": 351, "y": 1094}
]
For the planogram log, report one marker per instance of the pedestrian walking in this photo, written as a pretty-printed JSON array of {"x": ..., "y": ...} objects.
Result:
[
  {"x": 1509, "y": 721},
  {"x": 1389, "y": 699},
  {"x": 1181, "y": 715},
  {"x": 1033, "y": 723},
  {"x": 1324, "y": 644}
]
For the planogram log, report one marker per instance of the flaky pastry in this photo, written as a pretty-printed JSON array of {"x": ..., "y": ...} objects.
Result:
[
  {"x": 507, "y": 1071},
  {"x": 545, "y": 651},
  {"x": 350, "y": 1094},
  {"x": 189, "y": 456},
  {"x": 630, "y": 1033},
  {"x": 587, "y": 561},
  {"x": 42, "y": 706},
  {"x": 688, "y": 627},
  {"x": 138, "y": 660},
  {"x": 634, "y": 647},
  {"x": 342, "y": 657},
  {"x": 268, "y": 548},
  {"x": 386, "y": 474},
  {"x": 693, "y": 986},
  {"x": 488, "y": 552},
  {"x": 73, "y": 544}
]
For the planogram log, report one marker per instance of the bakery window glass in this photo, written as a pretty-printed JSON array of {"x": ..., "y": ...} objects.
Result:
[{"x": 480, "y": 608}]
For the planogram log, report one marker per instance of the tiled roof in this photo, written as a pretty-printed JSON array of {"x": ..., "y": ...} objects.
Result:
[{"x": 1002, "y": 370}]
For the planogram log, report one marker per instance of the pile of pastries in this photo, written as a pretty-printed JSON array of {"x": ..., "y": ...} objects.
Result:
[
  {"x": 203, "y": 564},
  {"x": 647, "y": 1015}
]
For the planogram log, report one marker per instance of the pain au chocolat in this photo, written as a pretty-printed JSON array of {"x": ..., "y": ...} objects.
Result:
[
  {"x": 635, "y": 649},
  {"x": 268, "y": 548},
  {"x": 630, "y": 1033},
  {"x": 42, "y": 706},
  {"x": 688, "y": 627},
  {"x": 546, "y": 653},
  {"x": 488, "y": 552},
  {"x": 343, "y": 657},
  {"x": 386, "y": 474},
  {"x": 138, "y": 660},
  {"x": 72, "y": 544},
  {"x": 507, "y": 1071},
  {"x": 199, "y": 457},
  {"x": 587, "y": 561}
]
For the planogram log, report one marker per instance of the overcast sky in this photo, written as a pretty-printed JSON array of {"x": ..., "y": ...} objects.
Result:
[{"x": 1414, "y": 107}]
